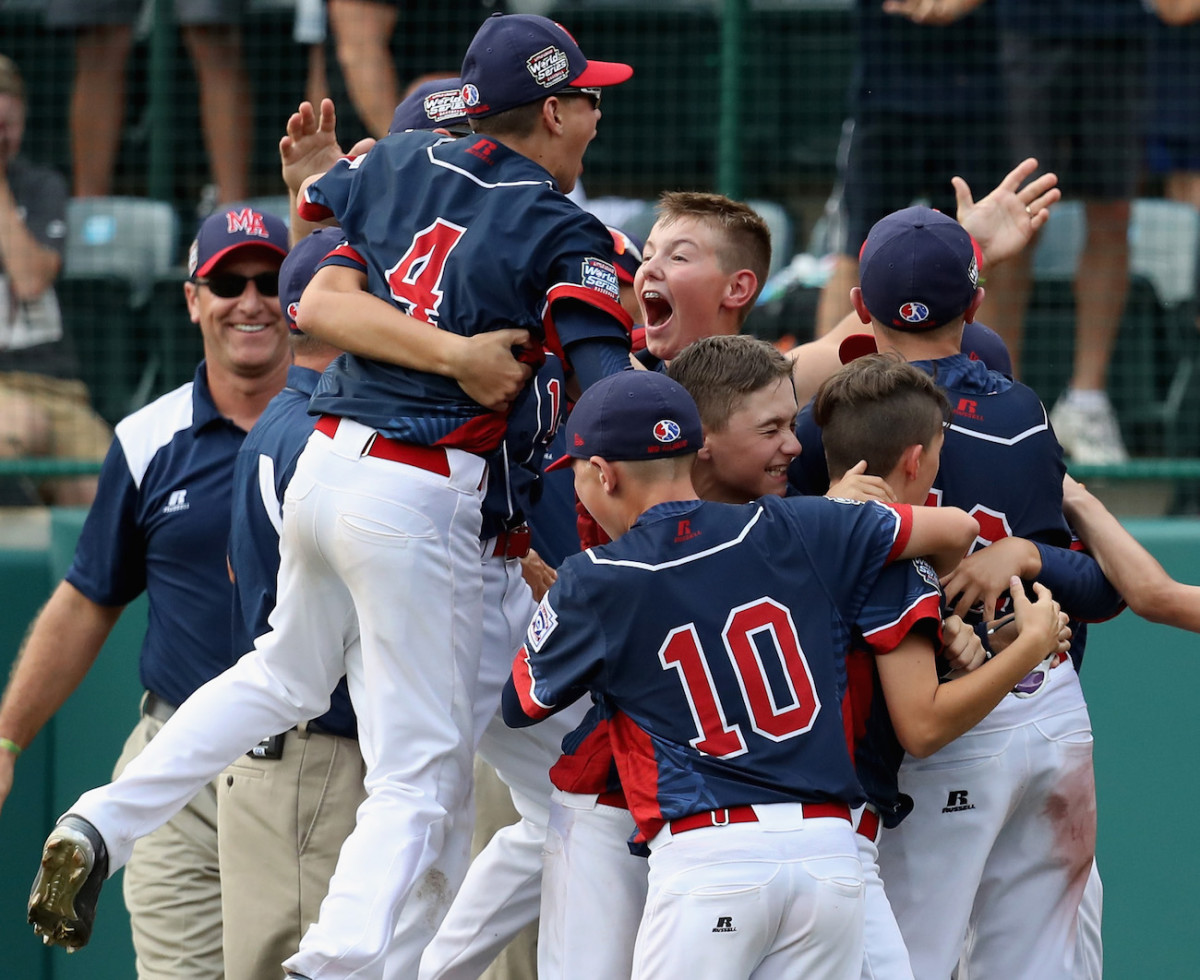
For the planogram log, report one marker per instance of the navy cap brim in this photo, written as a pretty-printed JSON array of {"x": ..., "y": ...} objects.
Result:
[{"x": 224, "y": 253}]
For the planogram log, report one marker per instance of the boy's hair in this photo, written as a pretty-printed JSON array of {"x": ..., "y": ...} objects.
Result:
[
  {"x": 745, "y": 239},
  {"x": 719, "y": 372},
  {"x": 874, "y": 408},
  {"x": 517, "y": 122}
]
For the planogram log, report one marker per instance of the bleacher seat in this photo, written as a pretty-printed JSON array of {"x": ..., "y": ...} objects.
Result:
[{"x": 117, "y": 249}]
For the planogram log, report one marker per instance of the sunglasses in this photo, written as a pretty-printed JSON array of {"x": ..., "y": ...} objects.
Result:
[
  {"x": 229, "y": 285},
  {"x": 591, "y": 93}
]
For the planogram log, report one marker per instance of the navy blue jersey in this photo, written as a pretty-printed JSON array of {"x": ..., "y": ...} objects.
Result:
[
  {"x": 472, "y": 237},
  {"x": 906, "y": 598},
  {"x": 159, "y": 523},
  {"x": 1003, "y": 465},
  {"x": 716, "y": 634},
  {"x": 263, "y": 469}
]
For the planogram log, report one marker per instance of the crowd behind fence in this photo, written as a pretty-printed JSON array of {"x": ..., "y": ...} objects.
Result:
[{"x": 748, "y": 97}]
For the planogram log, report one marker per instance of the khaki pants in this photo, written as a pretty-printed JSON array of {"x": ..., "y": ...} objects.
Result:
[
  {"x": 173, "y": 885},
  {"x": 281, "y": 824}
]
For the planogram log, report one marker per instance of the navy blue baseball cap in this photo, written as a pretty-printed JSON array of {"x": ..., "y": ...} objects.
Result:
[
  {"x": 233, "y": 229},
  {"x": 516, "y": 59},
  {"x": 433, "y": 105},
  {"x": 632, "y": 415},
  {"x": 300, "y": 265},
  {"x": 918, "y": 269}
]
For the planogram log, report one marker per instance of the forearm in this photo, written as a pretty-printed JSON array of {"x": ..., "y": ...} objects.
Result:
[
  {"x": 1136, "y": 574},
  {"x": 1079, "y": 583},
  {"x": 31, "y": 267},
  {"x": 336, "y": 309},
  {"x": 941, "y": 535},
  {"x": 60, "y": 647}
]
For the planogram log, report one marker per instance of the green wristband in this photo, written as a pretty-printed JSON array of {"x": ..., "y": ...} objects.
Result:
[{"x": 8, "y": 745}]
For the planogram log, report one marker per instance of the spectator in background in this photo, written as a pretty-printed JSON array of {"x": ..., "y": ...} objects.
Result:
[
  {"x": 362, "y": 32},
  {"x": 911, "y": 88},
  {"x": 1074, "y": 77},
  {"x": 44, "y": 408},
  {"x": 103, "y": 38}
]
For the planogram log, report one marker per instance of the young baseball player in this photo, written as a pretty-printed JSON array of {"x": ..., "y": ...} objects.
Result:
[
  {"x": 723, "y": 713},
  {"x": 1021, "y": 826},
  {"x": 388, "y": 493}
]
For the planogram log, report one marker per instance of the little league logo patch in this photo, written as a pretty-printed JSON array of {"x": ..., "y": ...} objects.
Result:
[
  {"x": 667, "y": 431},
  {"x": 544, "y": 622},
  {"x": 440, "y": 106},
  {"x": 602, "y": 277},
  {"x": 973, "y": 271},
  {"x": 925, "y": 570},
  {"x": 470, "y": 96},
  {"x": 292, "y": 310},
  {"x": 549, "y": 66},
  {"x": 914, "y": 312}
]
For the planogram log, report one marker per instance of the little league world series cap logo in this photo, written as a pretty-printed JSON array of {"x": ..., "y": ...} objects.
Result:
[
  {"x": 470, "y": 95},
  {"x": 914, "y": 312},
  {"x": 549, "y": 66},
  {"x": 441, "y": 106},
  {"x": 667, "y": 431}
]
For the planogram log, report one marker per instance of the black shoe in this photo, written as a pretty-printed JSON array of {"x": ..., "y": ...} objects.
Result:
[{"x": 62, "y": 904}]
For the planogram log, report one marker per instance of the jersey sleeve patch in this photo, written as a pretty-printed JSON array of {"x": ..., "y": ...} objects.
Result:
[
  {"x": 602, "y": 277},
  {"x": 545, "y": 620}
]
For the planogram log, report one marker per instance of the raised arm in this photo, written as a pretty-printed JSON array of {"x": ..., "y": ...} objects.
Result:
[{"x": 58, "y": 651}]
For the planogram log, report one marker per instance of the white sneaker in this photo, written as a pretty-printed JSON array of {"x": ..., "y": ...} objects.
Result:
[{"x": 1089, "y": 435}]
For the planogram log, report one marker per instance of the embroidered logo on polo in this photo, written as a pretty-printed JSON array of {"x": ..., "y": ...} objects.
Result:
[{"x": 176, "y": 502}]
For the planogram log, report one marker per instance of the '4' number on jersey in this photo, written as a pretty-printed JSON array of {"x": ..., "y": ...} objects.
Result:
[
  {"x": 416, "y": 280},
  {"x": 763, "y": 624}
]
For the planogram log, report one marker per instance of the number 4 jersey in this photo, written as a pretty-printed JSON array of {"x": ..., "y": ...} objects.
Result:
[
  {"x": 470, "y": 236},
  {"x": 715, "y": 635}
]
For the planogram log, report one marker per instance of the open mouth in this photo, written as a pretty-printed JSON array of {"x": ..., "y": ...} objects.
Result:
[{"x": 658, "y": 308}]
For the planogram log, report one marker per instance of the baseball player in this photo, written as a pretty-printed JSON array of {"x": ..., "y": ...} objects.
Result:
[
  {"x": 712, "y": 742},
  {"x": 1002, "y": 223},
  {"x": 159, "y": 524},
  {"x": 389, "y": 490},
  {"x": 1011, "y": 882}
]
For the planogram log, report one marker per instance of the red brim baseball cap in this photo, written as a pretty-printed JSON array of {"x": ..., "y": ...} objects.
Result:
[{"x": 855, "y": 346}]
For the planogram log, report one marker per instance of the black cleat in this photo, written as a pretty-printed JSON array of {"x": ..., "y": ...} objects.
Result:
[{"x": 62, "y": 904}]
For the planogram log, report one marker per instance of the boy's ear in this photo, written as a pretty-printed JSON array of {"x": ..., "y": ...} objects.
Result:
[
  {"x": 856, "y": 300},
  {"x": 705, "y": 452},
  {"x": 910, "y": 461},
  {"x": 743, "y": 284},
  {"x": 969, "y": 315}
]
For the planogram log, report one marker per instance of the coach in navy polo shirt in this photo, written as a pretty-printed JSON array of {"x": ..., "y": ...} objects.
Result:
[{"x": 159, "y": 524}]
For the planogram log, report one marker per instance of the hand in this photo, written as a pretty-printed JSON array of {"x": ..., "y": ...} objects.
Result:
[
  {"x": 934, "y": 12},
  {"x": 1043, "y": 619},
  {"x": 310, "y": 146},
  {"x": 1005, "y": 221},
  {"x": 983, "y": 577},
  {"x": 1075, "y": 495},
  {"x": 961, "y": 647},
  {"x": 856, "y": 485},
  {"x": 537, "y": 574},
  {"x": 487, "y": 370}
]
